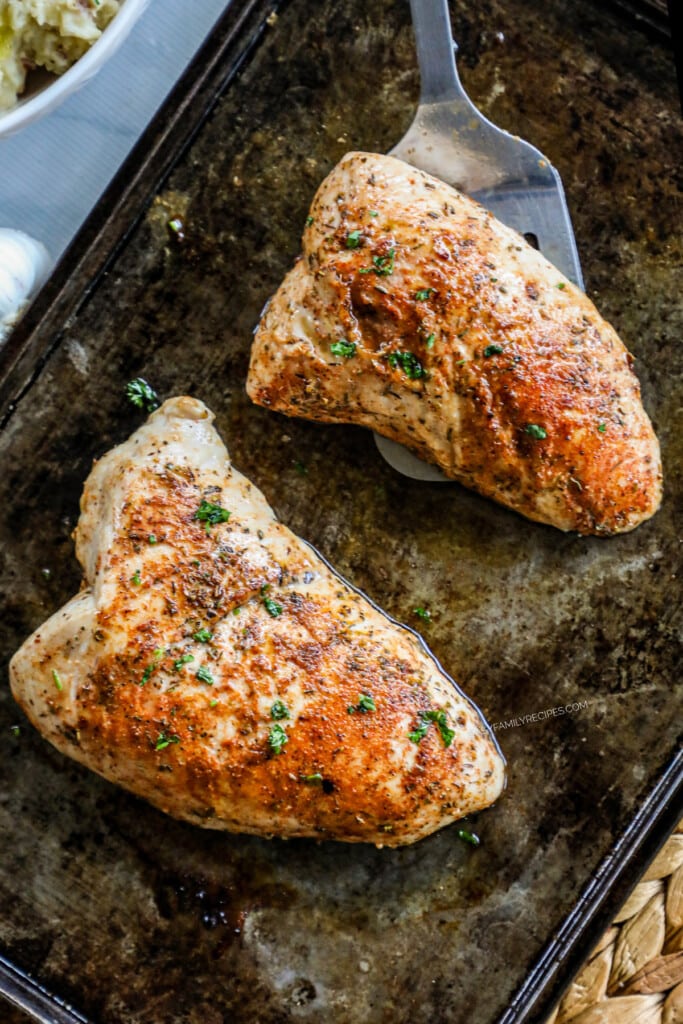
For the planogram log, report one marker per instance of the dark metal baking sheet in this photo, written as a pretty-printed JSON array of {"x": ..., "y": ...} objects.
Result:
[{"x": 131, "y": 917}]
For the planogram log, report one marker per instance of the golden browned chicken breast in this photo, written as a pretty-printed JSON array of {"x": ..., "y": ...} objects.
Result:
[
  {"x": 415, "y": 312},
  {"x": 216, "y": 666}
]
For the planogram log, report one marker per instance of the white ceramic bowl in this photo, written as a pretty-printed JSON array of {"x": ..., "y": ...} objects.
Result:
[{"x": 45, "y": 92}]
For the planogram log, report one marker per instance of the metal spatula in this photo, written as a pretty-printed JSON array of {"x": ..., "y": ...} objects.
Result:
[{"x": 452, "y": 140}]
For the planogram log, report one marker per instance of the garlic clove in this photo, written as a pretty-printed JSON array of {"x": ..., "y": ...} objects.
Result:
[{"x": 24, "y": 265}]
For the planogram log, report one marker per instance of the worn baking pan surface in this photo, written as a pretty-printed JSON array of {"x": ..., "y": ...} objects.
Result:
[{"x": 568, "y": 644}]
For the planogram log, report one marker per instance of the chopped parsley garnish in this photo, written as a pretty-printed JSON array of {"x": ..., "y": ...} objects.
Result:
[
  {"x": 447, "y": 734},
  {"x": 422, "y": 613},
  {"x": 561, "y": 285},
  {"x": 493, "y": 350},
  {"x": 154, "y": 664},
  {"x": 202, "y": 636},
  {"x": 309, "y": 221},
  {"x": 423, "y": 294},
  {"x": 56, "y": 680},
  {"x": 602, "y": 427},
  {"x": 381, "y": 265},
  {"x": 345, "y": 349},
  {"x": 15, "y": 730},
  {"x": 439, "y": 718},
  {"x": 272, "y": 607},
  {"x": 164, "y": 741},
  {"x": 279, "y": 711},
  {"x": 204, "y": 676},
  {"x": 212, "y": 703},
  {"x": 420, "y": 731},
  {"x": 136, "y": 579},
  {"x": 180, "y": 664},
  {"x": 468, "y": 837},
  {"x": 353, "y": 239},
  {"x": 373, "y": 213},
  {"x": 366, "y": 702},
  {"x": 211, "y": 513},
  {"x": 315, "y": 779},
  {"x": 142, "y": 395},
  {"x": 277, "y": 738},
  {"x": 409, "y": 363},
  {"x": 429, "y": 340},
  {"x": 176, "y": 225},
  {"x": 152, "y": 539},
  {"x": 301, "y": 468},
  {"x": 533, "y": 430}
]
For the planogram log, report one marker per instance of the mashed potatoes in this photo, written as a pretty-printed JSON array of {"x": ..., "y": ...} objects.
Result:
[{"x": 51, "y": 34}]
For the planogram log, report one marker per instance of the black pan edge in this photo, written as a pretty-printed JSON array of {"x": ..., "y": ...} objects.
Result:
[{"x": 564, "y": 956}]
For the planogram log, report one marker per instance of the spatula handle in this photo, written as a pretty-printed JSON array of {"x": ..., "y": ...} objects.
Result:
[{"x": 435, "y": 51}]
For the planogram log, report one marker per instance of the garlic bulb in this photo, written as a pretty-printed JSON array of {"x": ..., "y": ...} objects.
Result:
[{"x": 24, "y": 265}]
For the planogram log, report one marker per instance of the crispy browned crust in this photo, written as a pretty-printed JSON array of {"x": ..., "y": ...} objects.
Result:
[{"x": 560, "y": 368}]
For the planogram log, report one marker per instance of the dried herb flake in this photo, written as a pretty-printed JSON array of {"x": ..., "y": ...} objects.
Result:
[
  {"x": 279, "y": 711},
  {"x": 381, "y": 265},
  {"x": 468, "y": 837},
  {"x": 210, "y": 513},
  {"x": 425, "y": 719},
  {"x": 153, "y": 665},
  {"x": 164, "y": 741},
  {"x": 272, "y": 607},
  {"x": 366, "y": 702},
  {"x": 315, "y": 779},
  {"x": 343, "y": 348},
  {"x": 409, "y": 363},
  {"x": 277, "y": 738},
  {"x": 140, "y": 394}
]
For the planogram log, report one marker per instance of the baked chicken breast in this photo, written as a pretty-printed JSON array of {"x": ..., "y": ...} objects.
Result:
[
  {"x": 415, "y": 312},
  {"x": 216, "y": 666}
]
